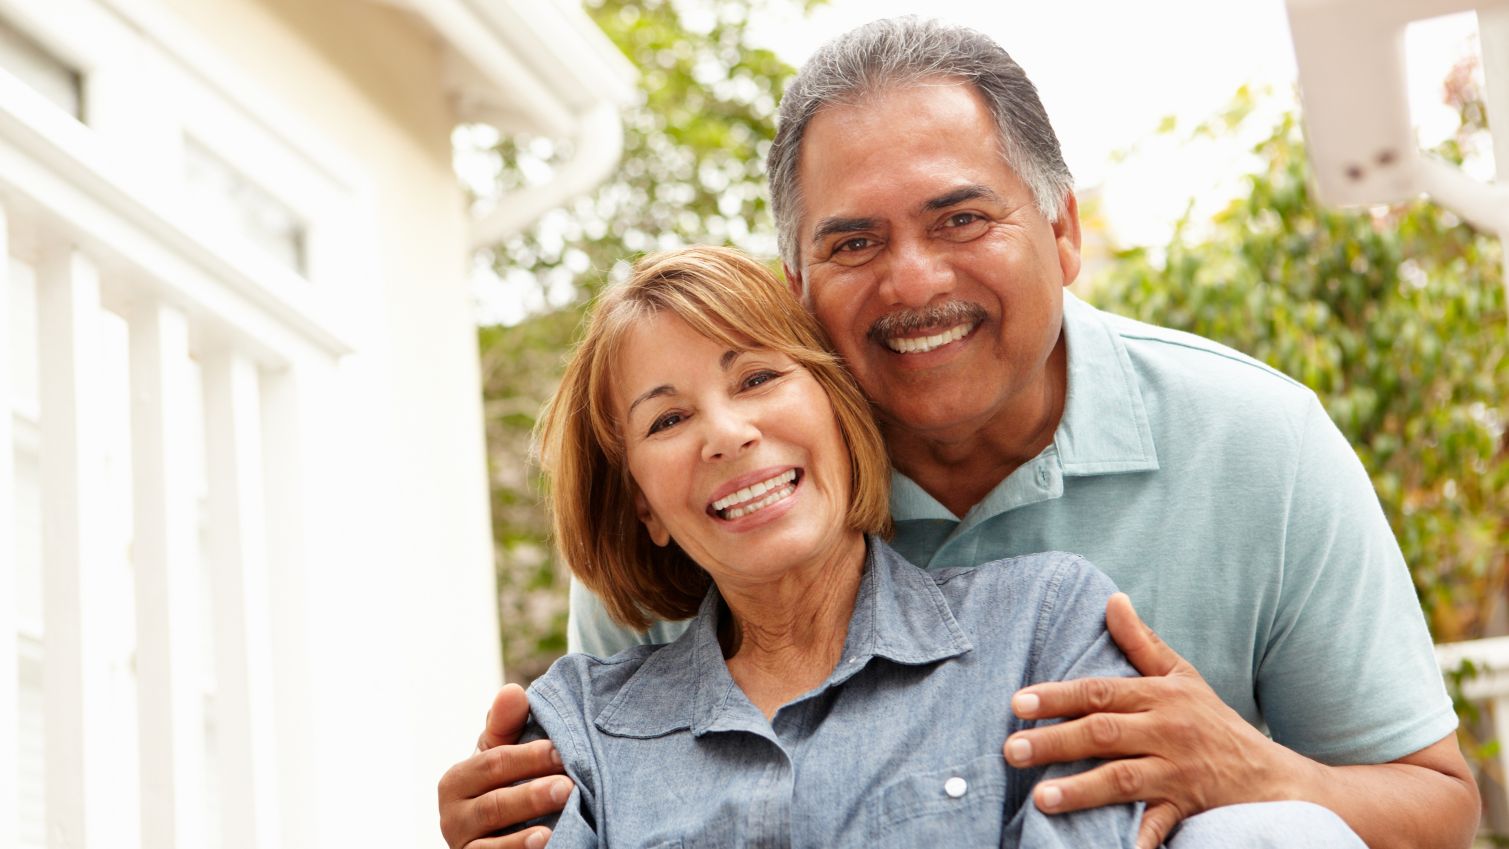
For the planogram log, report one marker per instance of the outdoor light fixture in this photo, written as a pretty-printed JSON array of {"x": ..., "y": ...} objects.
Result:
[{"x": 1362, "y": 145}]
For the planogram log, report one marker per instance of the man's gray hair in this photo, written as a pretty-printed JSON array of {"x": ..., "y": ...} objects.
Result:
[{"x": 895, "y": 53}]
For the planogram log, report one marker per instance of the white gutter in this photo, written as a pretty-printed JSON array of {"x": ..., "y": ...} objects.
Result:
[
  {"x": 539, "y": 66},
  {"x": 598, "y": 144}
]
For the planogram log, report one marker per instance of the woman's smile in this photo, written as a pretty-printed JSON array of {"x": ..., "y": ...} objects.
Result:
[{"x": 755, "y": 497}]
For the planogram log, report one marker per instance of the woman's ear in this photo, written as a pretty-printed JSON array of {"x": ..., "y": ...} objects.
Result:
[{"x": 652, "y": 523}]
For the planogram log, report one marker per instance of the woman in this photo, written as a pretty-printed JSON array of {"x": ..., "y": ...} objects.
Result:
[{"x": 708, "y": 457}]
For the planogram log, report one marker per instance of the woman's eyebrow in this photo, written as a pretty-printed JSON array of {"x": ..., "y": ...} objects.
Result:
[
  {"x": 659, "y": 391},
  {"x": 663, "y": 389}
]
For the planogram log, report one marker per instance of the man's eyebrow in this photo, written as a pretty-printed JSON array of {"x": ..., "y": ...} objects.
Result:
[
  {"x": 960, "y": 195},
  {"x": 829, "y": 226},
  {"x": 659, "y": 391}
]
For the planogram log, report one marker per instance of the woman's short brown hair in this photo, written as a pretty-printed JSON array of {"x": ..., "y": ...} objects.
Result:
[{"x": 728, "y": 297}]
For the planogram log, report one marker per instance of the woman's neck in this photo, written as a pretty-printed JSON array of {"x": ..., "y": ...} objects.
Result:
[{"x": 786, "y": 636}]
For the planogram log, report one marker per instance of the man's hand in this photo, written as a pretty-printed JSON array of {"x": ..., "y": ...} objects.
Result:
[
  {"x": 1169, "y": 738},
  {"x": 477, "y": 796}
]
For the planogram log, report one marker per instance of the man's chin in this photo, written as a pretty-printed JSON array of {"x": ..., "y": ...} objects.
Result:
[{"x": 925, "y": 415}]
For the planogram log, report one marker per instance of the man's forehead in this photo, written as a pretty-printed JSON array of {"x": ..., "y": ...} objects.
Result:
[{"x": 822, "y": 136}]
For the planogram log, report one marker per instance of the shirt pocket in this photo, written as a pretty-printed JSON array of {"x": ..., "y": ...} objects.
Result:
[
  {"x": 959, "y": 806},
  {"x": 710, "y": 838}
]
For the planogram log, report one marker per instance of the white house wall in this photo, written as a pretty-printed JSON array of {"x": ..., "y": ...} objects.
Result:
[
  {"x": 342, "y": 411},
  {"x": 407, "y": 596}
]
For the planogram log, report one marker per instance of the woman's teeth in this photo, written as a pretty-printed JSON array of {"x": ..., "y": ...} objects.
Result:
[
  {"x": 756, "y": 496},
  {"x": 923, "y": 344}
]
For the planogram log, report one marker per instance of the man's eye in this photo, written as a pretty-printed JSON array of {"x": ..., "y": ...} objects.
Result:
[
  {"x": 855, "y": 250},
  {"x": 666, "y": 421},
  {"x": 963, "y": 226}
]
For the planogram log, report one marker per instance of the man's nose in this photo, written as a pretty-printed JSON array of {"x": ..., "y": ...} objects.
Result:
[
  {"x": 727, "y": 433},
  {"x": 917, "y": 274}
]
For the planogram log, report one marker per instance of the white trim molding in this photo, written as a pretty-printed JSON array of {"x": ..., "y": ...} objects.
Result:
[{"x": 541, "y": 67}]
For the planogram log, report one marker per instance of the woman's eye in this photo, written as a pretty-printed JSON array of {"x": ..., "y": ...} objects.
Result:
[
  {"x": 666, "y": 421},
  {"x": 760, "y": 378}
]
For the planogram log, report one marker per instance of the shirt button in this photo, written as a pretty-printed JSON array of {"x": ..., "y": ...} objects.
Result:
[
  {"x": 955, "y": 787},
  {"x": 1042, "y": 475}
]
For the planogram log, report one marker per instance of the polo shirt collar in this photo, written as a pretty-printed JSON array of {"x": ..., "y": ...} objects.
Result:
[
  {"x": 899, "y": 615},
  {"x": 1104, "y": 429}
]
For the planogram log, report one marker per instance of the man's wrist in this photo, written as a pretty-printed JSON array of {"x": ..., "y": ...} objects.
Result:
[{"x": 1289, "y": 776}]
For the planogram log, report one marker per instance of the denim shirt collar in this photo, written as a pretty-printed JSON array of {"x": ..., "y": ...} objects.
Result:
[
  {"x": 899, "y": 615},
  {"x": 1104, "y": 429}
]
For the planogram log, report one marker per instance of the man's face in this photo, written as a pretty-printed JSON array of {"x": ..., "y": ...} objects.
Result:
[{"x": 927, "y": 261}]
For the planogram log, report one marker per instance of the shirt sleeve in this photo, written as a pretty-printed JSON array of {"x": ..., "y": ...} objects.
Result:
[
  {"x": 575, "y": 827},
  {"x": 1348, "y": 675},
  {"x": 1070, "y": 642},
  {"x": 589, "y": 628}
]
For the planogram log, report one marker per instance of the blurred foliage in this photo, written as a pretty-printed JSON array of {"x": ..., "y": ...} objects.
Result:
[
  {"x": 693, "y": 171},
  {"x": 1394, "y": 315}
]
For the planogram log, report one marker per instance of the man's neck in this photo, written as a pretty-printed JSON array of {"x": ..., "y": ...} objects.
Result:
[{"x": 960, "y": 466}]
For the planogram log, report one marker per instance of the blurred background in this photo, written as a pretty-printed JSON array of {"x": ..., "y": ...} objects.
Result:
[{"x": 266, "y": 551}]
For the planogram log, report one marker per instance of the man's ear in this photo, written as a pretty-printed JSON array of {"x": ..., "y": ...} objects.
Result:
[
  {"x": 794, "y": 281},
  {"x": 658, "y": 533},
  {"x": 1066, "y": 238}
]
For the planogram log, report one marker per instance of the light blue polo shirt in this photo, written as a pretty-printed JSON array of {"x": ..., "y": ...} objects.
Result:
[{"x": 1217, "y": 493}]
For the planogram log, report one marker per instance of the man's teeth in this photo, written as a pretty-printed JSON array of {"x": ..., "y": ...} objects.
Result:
[
  {"x": 756, "y": 496},
  {"x": 923, "y": 344}
]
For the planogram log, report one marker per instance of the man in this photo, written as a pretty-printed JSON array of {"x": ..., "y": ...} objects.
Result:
[{"x": 926, "y": 218}]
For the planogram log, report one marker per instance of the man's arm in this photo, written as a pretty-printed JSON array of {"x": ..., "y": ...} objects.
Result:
[
  {"x": 478, "y": 796},
  {"x": 1180, "y": 748}
]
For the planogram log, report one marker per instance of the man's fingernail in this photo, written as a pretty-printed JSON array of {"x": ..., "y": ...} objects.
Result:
[
  {"x": 559, "y": 790},
  {"x": 555, "y": 756},
  {"x": 1019, "y": 751},
  {"x": 1049, "y": 797},
  {"x": 1025, "y": 704},
  {"x": 536, "y": 840}
]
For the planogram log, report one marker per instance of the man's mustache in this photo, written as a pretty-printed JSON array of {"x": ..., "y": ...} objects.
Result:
[{"x": 930, "y": 317}]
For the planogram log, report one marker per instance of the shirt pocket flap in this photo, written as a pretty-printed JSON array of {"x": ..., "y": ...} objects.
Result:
[{"x": 971, "y": 795}]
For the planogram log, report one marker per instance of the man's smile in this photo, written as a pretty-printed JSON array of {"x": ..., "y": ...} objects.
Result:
[{"x": 923, "y": 344}]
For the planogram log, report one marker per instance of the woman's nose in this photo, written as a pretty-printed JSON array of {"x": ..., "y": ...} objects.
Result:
[{"x": 727, "y": 433}]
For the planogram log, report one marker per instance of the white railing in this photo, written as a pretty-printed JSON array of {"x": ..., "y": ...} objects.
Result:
[
  {"x": 1487, "y": 684},
  {"x": 223, "y": 351}
]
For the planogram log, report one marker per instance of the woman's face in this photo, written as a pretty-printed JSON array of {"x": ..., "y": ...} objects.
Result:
[{"x": 736, "y": 453}]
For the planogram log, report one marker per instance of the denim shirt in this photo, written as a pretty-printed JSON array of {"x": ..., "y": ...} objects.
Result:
[{"x": 899, "y": 747}]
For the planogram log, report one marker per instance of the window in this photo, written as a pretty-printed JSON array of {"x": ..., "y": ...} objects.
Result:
[{"x": 220, "y": 192}]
